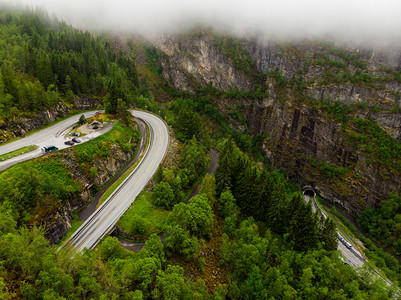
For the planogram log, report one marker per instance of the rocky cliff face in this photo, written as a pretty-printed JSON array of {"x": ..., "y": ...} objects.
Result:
[
  {"x": 301, "y": 78},
  {"x": 193, "y": 60},
  {"x": 58, "y": 222},
  {"x": 300, "y": 137},
  {"x": 18, "y": 127}
]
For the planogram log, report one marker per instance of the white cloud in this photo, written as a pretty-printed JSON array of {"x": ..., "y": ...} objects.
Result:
[{"x": 367, "y": 19}]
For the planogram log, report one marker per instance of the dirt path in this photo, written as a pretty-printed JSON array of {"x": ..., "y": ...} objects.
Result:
[
  {"x": 91, "y": 207},
  {"x": 214, "y": 154}
]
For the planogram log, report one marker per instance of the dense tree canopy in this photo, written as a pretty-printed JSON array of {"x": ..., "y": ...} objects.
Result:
[
  {"x": 272, "y": 246},
  {"x": 45, "y": 60}
]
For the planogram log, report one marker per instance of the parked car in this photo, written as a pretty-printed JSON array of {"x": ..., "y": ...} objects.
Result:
[
  {"x": 75, "y": 140},
  {"x": 69, "y": 143},
  {"x": 75, "y": 133},
  {"x": 49, "y": 149},
  {"x": 98, "y": 113}
]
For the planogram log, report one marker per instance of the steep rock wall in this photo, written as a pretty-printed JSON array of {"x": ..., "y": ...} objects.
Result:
[
  {"x": 193, "y": 60},
  {"x": 58, "y": 222},
  {"x": 18, "y": 127},
  {"x": 301, "y": 137}
]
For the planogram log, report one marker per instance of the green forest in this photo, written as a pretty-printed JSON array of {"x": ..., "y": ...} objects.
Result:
[
  {"x": 264, "y": 255},
  {"x": 44, "y": 61},
  {"x": 248, "y": 234}
]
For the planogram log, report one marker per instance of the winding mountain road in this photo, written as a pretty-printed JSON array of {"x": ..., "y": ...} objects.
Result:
[
  {"x": 54, "y": 135},
  {"x": 107, "y": 215},
  {"x": 103, "y": 220}
]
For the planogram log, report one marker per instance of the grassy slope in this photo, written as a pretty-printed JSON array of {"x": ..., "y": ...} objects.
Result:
[{"x": 143, "y": 207}]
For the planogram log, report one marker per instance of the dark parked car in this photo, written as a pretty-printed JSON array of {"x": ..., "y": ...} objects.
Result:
[
  {"x": 49, "y": 149},
  {"x": 69, "y": 143},
  {"x": 75, "y": 133},
  {"x": 75, "y": 140}
]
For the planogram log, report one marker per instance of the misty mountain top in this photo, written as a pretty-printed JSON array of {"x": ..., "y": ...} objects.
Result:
[{"x": 363, "y": 21}]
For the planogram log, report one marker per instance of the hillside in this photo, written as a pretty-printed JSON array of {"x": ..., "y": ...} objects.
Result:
[
  {"x": 324, "y": 115},
  {"x": 45, "y": 62},
  {"x": 327, "y": 116}
]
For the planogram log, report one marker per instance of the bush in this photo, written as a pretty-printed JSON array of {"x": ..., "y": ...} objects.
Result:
[
  {"x": 180, "y": 242},
  {"x": 93, "y": 172},
  {"x": 163, "y": 195},
  {"x": 138, "y": 225}
]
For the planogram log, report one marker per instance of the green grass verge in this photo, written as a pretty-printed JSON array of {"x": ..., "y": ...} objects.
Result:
[
  {"x": 18, "y": 152},
  {"x": 345, "y": 232},
  {"x": 115, "y": 185},
  {"x": 75, "y": 224},
  {"x": 143, "y": 207}
]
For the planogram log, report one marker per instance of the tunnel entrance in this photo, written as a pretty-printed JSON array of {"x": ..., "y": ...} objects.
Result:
[{"x": 308, "y": 191}]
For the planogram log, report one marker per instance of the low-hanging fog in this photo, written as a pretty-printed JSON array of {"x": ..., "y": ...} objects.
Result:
[{"x": 363, "y": 20}]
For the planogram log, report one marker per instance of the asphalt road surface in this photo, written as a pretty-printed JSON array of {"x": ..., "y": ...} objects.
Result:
[
  {"x": 88, "y": 210},
  {"x": 54, "y": 135},
  {"x": 106, "y": 216},
  {"x": 352, "y": 256}
]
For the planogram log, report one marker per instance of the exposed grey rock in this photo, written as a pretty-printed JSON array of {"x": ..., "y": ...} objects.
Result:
[
  {"x": 18, "y": 127},
  {"x": 58, "y": 223},
  {"x": 194, "y": 60},
  {"x": 297, "y": 133}
]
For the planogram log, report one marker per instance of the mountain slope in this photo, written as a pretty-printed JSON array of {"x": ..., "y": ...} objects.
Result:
[{"x": 330, "y": 115}]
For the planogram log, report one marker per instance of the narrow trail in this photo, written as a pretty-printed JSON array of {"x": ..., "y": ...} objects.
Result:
[{"x": 214, "y": 154}]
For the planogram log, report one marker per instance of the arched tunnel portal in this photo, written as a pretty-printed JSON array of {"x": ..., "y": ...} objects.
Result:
[{"x": 308, "y": 191}]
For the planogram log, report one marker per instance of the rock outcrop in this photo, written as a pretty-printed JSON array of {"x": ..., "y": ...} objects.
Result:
[
  {"x": 193, "y": 60},
  {"x": 300, "y": 135},
  {"x": 59, "y": 221},
  {"x": 18, "y": 127}
]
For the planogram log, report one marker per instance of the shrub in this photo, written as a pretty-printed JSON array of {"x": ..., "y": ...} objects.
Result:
[
  {"x": 138, "y": 225},
  {"x": 163, "y": 195}
]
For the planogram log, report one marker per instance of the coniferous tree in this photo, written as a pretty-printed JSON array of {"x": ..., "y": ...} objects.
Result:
[
  {"x": 296, "y": 204},
  {"x": 262, "y": 199},
  {"x": 188, "y": 125},
  {"x": 328, "y": 234},
  {"x": 82, "y": 120},
  {"x": 159, "y": 174},
  {"x": 112, "y": 98},
  {"x": 276, "y": 212},
  {"x": 122, "y": 111},
  {"x": 245, "y": 185},
  {"x": 224, "y": 172},
  {"x": 303, "y": 225},
  {"x": 240, "y": 182}
]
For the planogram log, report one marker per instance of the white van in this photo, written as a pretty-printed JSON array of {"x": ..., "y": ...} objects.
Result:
[{"x": 348, "y": 245}]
